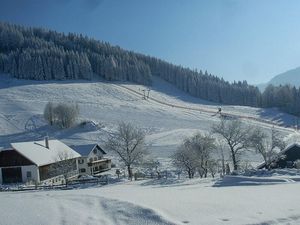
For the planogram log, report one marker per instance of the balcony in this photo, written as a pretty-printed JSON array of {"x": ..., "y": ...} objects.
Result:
[{"x": 99, "y": 166}]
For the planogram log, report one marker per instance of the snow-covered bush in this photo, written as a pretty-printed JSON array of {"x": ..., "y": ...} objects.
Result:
[
  {"x": 62, "y": 115},
  {"x": 297, "y": 164}
]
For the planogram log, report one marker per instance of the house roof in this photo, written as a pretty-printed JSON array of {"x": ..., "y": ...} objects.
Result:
[
  {"x": 13, "y": 158},
  {"x": 287, "y": 148},
  {"x": 40, "y": 155},
  {"x": 84, "y": 150}
]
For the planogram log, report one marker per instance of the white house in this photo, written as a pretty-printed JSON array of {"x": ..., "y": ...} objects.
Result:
[
  {"x": 32, "y": 161},
  {"x": 92, "y": 160}
]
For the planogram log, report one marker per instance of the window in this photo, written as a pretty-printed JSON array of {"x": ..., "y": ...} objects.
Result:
[
  {"x": 91, "y": 159},
  {"x": 80, "y": 161},
  {"x": 82, "y": 170},
  {"x": 28, "y": 174},
  {"x": 95, "y": 151},
  {"x": 95, "y": 158}
]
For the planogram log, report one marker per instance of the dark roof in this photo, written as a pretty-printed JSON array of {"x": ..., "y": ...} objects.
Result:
[
  {"x": 84, "y": 150},
  {"x": 289, "y": 147},
  {"x": 283, "y": 152}
]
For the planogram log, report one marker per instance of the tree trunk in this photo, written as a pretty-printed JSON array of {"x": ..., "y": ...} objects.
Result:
[
  {"x": 190, "y": 174},
  {"x": 235, "y": 166},
  {"x": 129, "y": 172}
]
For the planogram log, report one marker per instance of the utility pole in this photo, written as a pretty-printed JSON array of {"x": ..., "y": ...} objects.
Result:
[{"x": 144, "y": 94}]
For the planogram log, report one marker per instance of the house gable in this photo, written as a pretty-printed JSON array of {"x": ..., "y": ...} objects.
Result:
[
  {"x": 96, "y": 153},
  {"x": 89, "y": 150},
  {"x": 11, "y": 158}
]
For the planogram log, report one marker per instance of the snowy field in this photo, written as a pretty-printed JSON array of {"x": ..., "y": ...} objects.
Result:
[
  {"x": 234, "y": 201},
  {"x": 22, "y": 103},
  {"x": 260, "y": 200}
]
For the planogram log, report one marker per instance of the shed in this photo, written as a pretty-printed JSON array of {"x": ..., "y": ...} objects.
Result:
[{"x": 286, "y": 158}]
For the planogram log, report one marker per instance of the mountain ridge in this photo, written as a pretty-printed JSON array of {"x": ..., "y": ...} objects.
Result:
[{"x": 290, "y": 77}]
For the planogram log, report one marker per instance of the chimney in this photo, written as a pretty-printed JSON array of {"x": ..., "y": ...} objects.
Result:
[{"x": 46, "y": 141}]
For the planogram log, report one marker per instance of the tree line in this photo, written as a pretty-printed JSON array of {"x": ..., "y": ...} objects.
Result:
[{"x": 41, "y": 54}]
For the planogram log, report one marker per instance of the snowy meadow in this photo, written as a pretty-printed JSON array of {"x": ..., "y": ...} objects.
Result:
[{"x": 167, "y": 117}]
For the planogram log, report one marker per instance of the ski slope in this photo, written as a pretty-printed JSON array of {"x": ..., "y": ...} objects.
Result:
[{"x": 167, "y": 116}]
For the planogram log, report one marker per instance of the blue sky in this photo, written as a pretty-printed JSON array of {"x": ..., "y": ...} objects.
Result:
[{"x": 251, "y": 40}]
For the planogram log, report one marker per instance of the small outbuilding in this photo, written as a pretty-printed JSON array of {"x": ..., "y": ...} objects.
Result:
[{"x": 287, "y": 158}]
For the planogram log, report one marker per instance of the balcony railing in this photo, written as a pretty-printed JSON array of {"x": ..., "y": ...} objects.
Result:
[{"x": 99, "y": 162}]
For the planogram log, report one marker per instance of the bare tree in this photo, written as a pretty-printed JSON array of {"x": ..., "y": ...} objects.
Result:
[
  {"x": 49, "y": 113},
  {"x": 220, "y": 150},
  {"x": 129, "y": 144},
  {"x": 203, "y": 145},
  {"x": 194, "y": 154},
  {"x": 65, "y": 165},
  {"x": 152, "y": 167},
  {"x": 66, "y": 114},
  {"x": 236, "y": 136},
  {"x": 63, "y": 115},
  {"x": 267, "y": 145},
  {"x": 212, "y": 167},
  {"x": 297, "y": 164},
  {"x": 185, "y": 159}
]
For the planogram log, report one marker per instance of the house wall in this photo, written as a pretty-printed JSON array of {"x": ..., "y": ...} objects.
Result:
[
  {"x": 95, "y": 156},
  {"x": 24, "y": 169},
  {"x": 83, "y": 165},
  {"x": 56, "y": 169},
  {"x": 34, "y": 173},
  {"x": 95, "y": 167}
]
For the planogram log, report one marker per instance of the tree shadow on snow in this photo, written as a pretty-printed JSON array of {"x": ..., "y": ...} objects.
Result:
[
  {"x": 278, "y": 117},
  {"x": 247, "y": 181},
  {"x": 165, "y": 182}
]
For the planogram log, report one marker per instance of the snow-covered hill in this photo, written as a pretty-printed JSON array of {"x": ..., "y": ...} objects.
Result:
[
  {"x": 168, "y": 115},
  {"x": 291, "y": 77}
]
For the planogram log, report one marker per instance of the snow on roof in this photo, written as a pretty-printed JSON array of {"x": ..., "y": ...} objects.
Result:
[
  {"x": 40, "y": 155},
  {"x": 287, "y": 148},
  {"x": 84, "y": 150}
]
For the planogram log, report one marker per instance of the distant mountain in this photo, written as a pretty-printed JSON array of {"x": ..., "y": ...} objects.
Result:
[{"x": 291, "y": 77}]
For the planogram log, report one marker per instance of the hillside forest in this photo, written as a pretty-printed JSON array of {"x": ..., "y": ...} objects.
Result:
[{"x": 41, "y": 54}]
